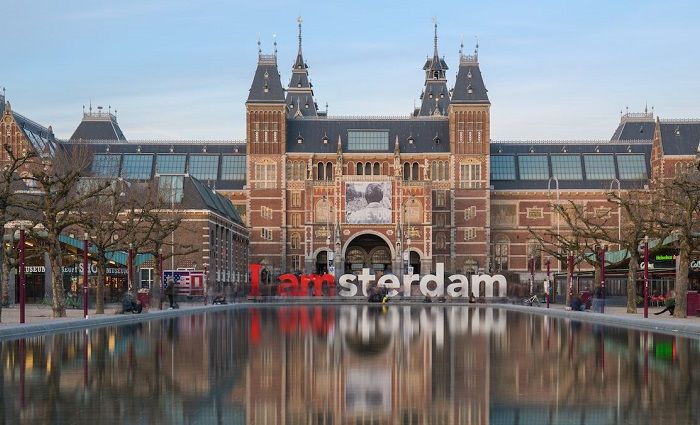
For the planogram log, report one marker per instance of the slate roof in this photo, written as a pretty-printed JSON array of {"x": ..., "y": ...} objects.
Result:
[
  {"x": 197, "y": 195},
  {"x": 524, "y": 148},
  {"x": 98, "y": 126},
  {"x": 631, "y": 128},
  {"x": 469, "y": 86},
  {"x": 435, "y": 96},
  {"x": 300, "y": 95},
  {"x": 680, "y": 137},
  {"x": 267, "y": 86},
  {"x": 422, "y": 130}
]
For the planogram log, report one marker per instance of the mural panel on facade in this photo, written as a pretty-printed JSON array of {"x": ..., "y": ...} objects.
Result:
[{"x": 368, "y": 203}]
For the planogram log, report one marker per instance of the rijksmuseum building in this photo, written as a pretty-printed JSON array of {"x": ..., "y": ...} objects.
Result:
[{"x": 351, "y": 192}]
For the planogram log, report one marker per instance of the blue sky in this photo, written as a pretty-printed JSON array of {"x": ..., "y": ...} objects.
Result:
[{"x": 182, "y": 69}]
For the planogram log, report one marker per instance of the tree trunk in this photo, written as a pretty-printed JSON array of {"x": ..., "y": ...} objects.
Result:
[
  {"x": 596, "y": 278},
  {"x": 156, "y": 290},
  {"x": 58, "y": 305},
  {"x": 682, "y": 279},
  {"x": 632, "y": 282},
  {"x": 101, "y": 276}
]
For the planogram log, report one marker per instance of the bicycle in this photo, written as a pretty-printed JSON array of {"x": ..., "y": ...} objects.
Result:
[{"x": 533, "y": 300}]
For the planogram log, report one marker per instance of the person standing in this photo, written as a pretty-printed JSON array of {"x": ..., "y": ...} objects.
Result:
[{"x": 170, "y": 292}]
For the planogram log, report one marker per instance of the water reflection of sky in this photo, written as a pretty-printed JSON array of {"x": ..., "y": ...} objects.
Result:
[{"x": 352, "y": 364}]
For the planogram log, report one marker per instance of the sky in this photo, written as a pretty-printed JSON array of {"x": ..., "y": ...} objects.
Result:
[{"x": 181, "y": 69}]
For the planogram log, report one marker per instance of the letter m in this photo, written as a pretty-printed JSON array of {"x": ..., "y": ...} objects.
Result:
[{"x": 489, "y": 285}]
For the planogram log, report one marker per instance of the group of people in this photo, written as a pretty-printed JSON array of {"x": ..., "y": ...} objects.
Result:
[{"x": 578, "y": 303}]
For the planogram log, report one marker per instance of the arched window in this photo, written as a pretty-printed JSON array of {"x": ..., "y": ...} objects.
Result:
[
  {"x": 359, "y": 169},
  {"x": 368, "y": 168},
  {"x": 295, "y": 241},
  {"x": 440, "y": 241},
  {"x": 500, "y": 253},
  {"x": 320, "y": 174},
  {"x": 329, "y": 171},
  {"x": 414, "y": 171},
  {"x": 406, "y": 171},
  {"x": 376, "y": 171}
]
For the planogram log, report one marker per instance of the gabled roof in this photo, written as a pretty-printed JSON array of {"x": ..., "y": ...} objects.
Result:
[
  {"x": 426, "y": 134},
  {"x": 41, "y": 138},
  {"x": 469, "y": 86},
  {"x": 98, "y": 126},
  {"x": 680, "y": 137},
  {"x": 267, "y": 86}
]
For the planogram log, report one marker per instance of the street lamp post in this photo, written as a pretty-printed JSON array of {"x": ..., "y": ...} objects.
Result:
[
  {"x": 86, "y": 246},
  {"x": 603, "y": 249},
  {"x": 160, "y": 269},
  {"x": 556, "y": 185},
  {"x": 407, "y": 254},
  {"x": 619, "y": 217},
  {"x": 22, "y": 277},
  {"x": 646, "y": 277},
  {"x": 130, "y": 268},
  {"x": 570, "y": 276},
  {"x": 546, "y": 290}
]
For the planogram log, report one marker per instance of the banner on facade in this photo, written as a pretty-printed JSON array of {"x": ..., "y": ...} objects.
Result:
[{"x": 368, "y": 202}]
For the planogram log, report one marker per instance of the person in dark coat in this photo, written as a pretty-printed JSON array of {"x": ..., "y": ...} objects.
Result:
[{"x": 170, "y": 292}]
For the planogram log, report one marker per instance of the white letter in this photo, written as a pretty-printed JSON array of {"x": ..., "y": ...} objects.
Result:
[
  {"x": 349, "y": 287},
  {"x": 365, "y": 278},
  {"x": 407, "y": 280},
  {"x": 502, "y": 285},
  {"x": 488, "y": 284},
  {"x": 459, "y": 286},
  {"x": 391, "y": 282},
  {"x": 438, "y": 278}
]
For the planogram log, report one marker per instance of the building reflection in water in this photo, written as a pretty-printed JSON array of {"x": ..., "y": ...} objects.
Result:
[{"x": 355, "y": 365}]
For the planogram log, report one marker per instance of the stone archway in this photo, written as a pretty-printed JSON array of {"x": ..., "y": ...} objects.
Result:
[{"x": 367, "y": 250}]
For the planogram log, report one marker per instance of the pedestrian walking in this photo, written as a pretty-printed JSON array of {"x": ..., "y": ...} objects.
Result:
[{"x": 170, "y": 292}]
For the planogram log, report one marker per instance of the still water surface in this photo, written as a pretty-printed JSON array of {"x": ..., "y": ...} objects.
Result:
[{"x": 352, "y": 365}]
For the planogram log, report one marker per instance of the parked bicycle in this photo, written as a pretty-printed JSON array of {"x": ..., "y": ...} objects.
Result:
[{"x": 533, "y": 300}]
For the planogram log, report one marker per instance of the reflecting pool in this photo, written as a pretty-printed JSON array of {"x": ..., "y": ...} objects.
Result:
[{"x": 352, "y": 365}]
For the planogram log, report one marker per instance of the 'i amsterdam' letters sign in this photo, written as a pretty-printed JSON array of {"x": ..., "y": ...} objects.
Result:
[{"x": 434, "y": 285}]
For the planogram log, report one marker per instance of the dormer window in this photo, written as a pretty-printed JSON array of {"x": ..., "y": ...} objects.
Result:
[
  {"x": 265, "y": 88},
  {"x": 325, "y": 140},
  {"x": 677, "y": 130},
  {"x": 298, "y": 84},
  {"x": 470, "y": 90},
  {"x": 442, "y": 95},
  {"x": 300, "y": 139},
  {"x": 306, "y": 106},
  {"x": 291, "y": 106},
  {"x": 430, "y": 95},
  {"x": 469, "y": 74},
  {"x": 436, "y": 139},
  {"x": 410, "y": 140}
]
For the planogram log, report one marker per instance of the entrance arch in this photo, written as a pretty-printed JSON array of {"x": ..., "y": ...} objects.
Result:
[{"x": 367, "y": 250}]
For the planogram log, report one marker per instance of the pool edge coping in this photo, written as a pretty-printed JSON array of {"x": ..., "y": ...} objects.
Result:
[{"x": 18, "y": 331}]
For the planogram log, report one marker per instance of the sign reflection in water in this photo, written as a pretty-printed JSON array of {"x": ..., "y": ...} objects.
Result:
[{"x": 435, "y": 364}]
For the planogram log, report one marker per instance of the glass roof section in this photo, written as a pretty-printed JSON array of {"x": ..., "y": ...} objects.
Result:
[
  {"x": 106, "y": 165},
  {"x": 533, "y": 167},
  {"x": 567, "y": 167},
  {"x": 631, "y": 167},
  {"x": 137, "y": 167},
  {"x": 233, "y": 167},
  {"x": 502, "y": 167},
  {"x": 599, "y": 167},
  {"x": 204, "y": 167},
  {"x": 170, "y": 164}
]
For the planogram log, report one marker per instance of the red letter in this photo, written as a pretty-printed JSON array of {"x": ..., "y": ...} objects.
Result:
[
  {"x": 254, "y": 279},
  {"x": 328, "y": 279},
  {"x": 287, "y": 281}
]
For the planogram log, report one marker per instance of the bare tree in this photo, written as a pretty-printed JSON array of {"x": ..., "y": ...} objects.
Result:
[
  {"x": 101, "y": 217},
  {"x": 62, "y": 196},
  {"x": 10, "y": 183},
  {"x": 678, "y": 202}
]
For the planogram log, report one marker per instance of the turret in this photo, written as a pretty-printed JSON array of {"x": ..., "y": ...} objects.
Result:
[
  {"x": 300, "y": 95},
  {"x": 435, "y": 98}
]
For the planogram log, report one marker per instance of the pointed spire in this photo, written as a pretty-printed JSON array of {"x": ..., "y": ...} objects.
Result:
[
  {"x": 340, "y": 145},
  {"x": 259, "y": 46},
  {"x": 274, "y": 37},
  {"x": 299, "y": 21},
  {"x": 435, "y": 51},
  {"x": 396, "y": 145}
]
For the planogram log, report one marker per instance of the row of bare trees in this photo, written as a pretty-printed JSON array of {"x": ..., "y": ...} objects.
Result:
[
  {"x": 51, "y": 195},
  {"x": 668, "y": 211}
]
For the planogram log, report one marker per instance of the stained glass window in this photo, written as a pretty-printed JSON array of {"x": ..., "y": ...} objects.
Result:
[
  {"x": 233, "y": 167},
  {"x": 632, "y": 167},
  {"x": 533, "y": 167},
  {"x": 567, "y": 167},
  {"x": 106, "y": 165},
  {"x": 599, "y": 167},
  {"x": 137, "y": 167},
  {"x": 368, "y": 141},
  {"x": 170, "y": 164},
  {"x": 204, "y": 167},
  {"x": 502, "y": 167}
]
